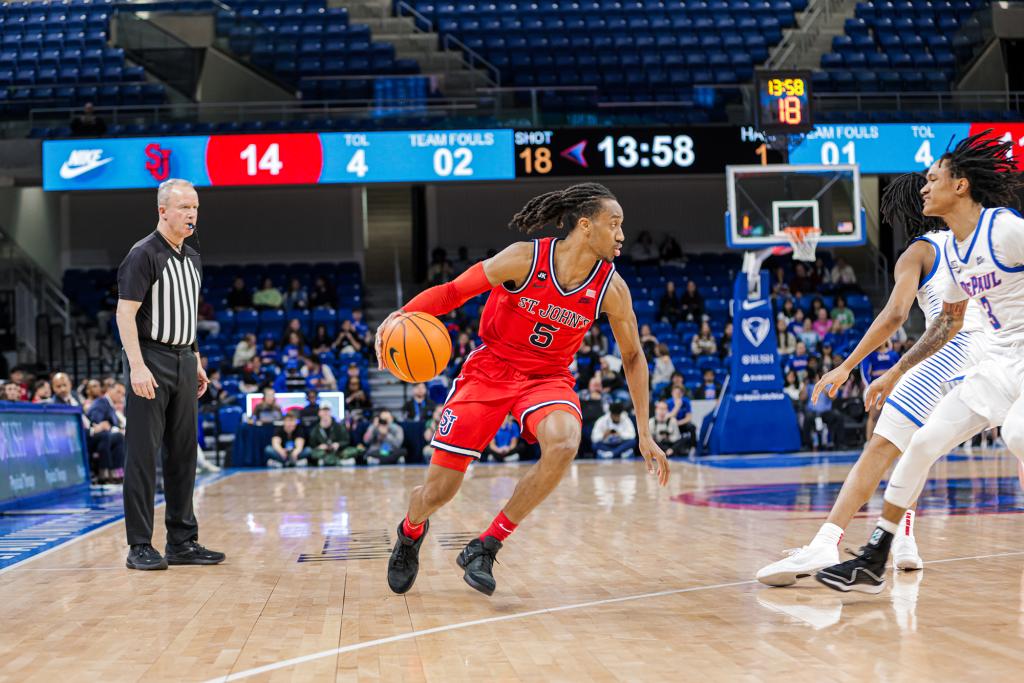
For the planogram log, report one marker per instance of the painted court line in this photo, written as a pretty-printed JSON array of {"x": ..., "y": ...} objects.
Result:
[{"x": 295, "y": 661}]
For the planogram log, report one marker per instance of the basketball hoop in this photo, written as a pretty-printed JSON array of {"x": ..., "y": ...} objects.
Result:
[{"x": 804, "y": 241}]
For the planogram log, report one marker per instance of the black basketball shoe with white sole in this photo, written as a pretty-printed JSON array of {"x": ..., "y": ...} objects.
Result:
[
  {"x": 404, "y": 564},
  {"x": 865, "y": 573},
  {"x": 477, "y": 559}
]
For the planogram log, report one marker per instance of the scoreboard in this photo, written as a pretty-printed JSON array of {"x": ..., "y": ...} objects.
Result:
[{"x": 894, "y": 147}]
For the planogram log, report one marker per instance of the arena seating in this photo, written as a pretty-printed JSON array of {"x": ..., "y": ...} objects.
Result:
[
  {"x": 902, "y": 46},
  {"x": 303, "y": 41},
  {"x": 635, "y": 50},
  {"x": 55, "y": 54}
]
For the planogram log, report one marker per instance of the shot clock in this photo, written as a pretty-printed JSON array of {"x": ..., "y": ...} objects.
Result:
[
  {"x": 585, "y": 152},
  {"x": 783, "y": 102}
]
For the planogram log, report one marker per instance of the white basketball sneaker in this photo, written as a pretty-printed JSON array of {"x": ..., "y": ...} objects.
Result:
[
  {"x": 801, "y": 563},
  {"x": 904, "y": 548}
]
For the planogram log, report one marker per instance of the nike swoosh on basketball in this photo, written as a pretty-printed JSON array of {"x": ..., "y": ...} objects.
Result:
[
  {"x": 391, "y": 354},
  {"x": 68, "y": 172},
  {"x": 749, "y": 305}
]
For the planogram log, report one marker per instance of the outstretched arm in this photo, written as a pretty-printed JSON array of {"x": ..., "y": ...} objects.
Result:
[
  {"x": 911, "y": 265},
  {"x": 618, "y": 304},
  {"x": 512, "y": 263}
]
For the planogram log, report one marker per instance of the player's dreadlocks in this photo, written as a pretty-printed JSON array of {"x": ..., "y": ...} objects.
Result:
[
  {"x": 564, "y": 208},
  {"x": 902, "y": 206},
  {"x": 987, "y": 165}
]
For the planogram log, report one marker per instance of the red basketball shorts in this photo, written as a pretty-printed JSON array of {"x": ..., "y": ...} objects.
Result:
[{"x": 487, "y": 390}]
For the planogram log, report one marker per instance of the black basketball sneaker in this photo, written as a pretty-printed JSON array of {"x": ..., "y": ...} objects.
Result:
[
  {"x": 477, "y": 559},
  {"x": 405, "y": 560},
  {"x": 865, "y": 573}
]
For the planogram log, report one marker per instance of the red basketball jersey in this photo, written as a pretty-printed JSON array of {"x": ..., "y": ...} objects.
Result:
[{"x": 538, "y": 327}]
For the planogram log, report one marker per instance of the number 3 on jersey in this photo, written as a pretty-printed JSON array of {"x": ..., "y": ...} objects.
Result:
[
  {"x": 991, "y": 314},
  {"x": 543, "y": 335}
]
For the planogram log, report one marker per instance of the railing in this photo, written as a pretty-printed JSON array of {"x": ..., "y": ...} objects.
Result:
[
  {"x": 174, "y": 61},
  {"x": 797, "y": 41},
  {"x": 940, "y": 102},
  {"x": 424, "y": 25}
]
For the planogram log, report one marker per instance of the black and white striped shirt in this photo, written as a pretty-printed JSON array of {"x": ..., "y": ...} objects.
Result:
[{"x": 167, "y": 283}]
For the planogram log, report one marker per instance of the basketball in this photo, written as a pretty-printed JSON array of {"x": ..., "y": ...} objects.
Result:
[{"x": 417, "y": 347}]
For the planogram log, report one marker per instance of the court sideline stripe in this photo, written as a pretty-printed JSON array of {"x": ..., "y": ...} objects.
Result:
[
  {"x": 518, "y": 615},
  {"x": 119, "y": 518}
]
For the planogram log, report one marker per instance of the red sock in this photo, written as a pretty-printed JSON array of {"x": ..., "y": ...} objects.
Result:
[
  {"x": 500, "y": 528},
  {"x": 413, "y": 531}
]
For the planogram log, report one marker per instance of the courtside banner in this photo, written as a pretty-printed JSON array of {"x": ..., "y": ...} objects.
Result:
[{"x": 279, "y": 159}]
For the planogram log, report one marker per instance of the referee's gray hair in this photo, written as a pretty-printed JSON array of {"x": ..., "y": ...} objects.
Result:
[{"x": 163, "y": 192}]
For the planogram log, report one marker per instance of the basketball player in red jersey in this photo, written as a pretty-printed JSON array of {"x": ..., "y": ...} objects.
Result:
[{"x": 545, "y": 295}]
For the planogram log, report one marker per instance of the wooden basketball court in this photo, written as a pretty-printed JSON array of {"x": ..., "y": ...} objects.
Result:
[{"x": 612, "y": 579}]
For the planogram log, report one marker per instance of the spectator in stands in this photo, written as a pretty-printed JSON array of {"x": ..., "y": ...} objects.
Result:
[
  {"x": 822, "y": 324},
  {"x": 596, "y": 340},
  {"x": 876, "y": 364},
  {"x": 245, "y": 351},
  {"x": 643, "y": 250},
  {"x": 787, "y": 312},
  {"x": 360, "y": 326},
  {"x": 803, "y": 280},
  {"x": 725, "y": 342},
  {"x": 41, "y": 392},
  {"x": 428, "y": 432},
  {"x": 779, "y": 283},
  {"x": 440, "y": 269},
  {"x": 504, "y": 447},
  {"x": 820, "y": 421},
  {"x": 294, "y": 327},
  {"x": 663, "y": 368},
  {"x": 665, "y": 430},
  {"x": 792, "y": 386},
  {"x": 296, "y": 298},
  {"x": 213, "y": 391},
  {"x": 87, "y": 123},
  {"x": 322, "y": 294},
  {"x": 594, "y": 401},
  {"x": 802, "y": 329},
  {"x": 419, "y": 406},
  {"x": 822, "y": 273},
  {"x": 206, "y": 317},
  {"x": 318, "y": 376},
  {"x": 614, "y": 434},
  {"x": 355, "y": 396},
  {"x": 291, "y": 379},
  {"x": 329, "y": 441},
  {"x": 89, "y": 391},
  {"x": 321, "y": 342},
  {"x": 464, "y": 346},
  {"x": 293, "y": 347},
  {"x": 239, "y": 295},
  {"x": 288, "y": 445},
  {"x": 798, "y": 361},
  {"x": 710, "y": 388},
  {"x": 676, "y": 381},
  {"x": 680, "y": 410},
  {"x": 310, "y": 412},
  {"x": 268, "y": 296},
  {"x": 691, "y": 303},
  {"x": 842, "y": 317},
  {"x": 269, "y": 354},
  {"x": 587, "y": 362},
  {"x": 669, "y": 249},
  {"x": 843, "y": 273},
  {"x": 648, "y": 341},
  {"x": 816, "y": 305},
  {"x": 786, "y": 339},
  {"x": 703, "y": 343},
  {"x": 267, "y": 409},
  {"x": 347, "y": 341},
  {"x": 108, "y": 428},
  {"x": 669, "y": 309},
  {"x": 383, "y": 440},
  {"x": 827, "y": 358},
  {"x": 611, "y": 378},
  {"x": 252, "y": 377},
  {"x": 20, "y": 378},
  {"x": 12, "y": 392}
]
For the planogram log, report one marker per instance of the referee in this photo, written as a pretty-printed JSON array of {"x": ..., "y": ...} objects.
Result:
[{"x": 158, "y": 291}]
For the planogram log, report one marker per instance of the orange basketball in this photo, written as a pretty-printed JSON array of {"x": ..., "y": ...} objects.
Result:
[{"x": 417, "y": 347}]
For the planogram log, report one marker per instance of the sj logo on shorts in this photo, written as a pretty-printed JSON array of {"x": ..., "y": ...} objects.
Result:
[{"x": 448, "y": 419}]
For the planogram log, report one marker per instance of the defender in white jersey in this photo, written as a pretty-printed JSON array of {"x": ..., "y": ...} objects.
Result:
[
  {"x": 921, "y": 275},
  {"x": 985, "y": 261}
]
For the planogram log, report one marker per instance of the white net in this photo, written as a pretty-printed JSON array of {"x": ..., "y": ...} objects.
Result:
[{"x": 804, "y": 242}]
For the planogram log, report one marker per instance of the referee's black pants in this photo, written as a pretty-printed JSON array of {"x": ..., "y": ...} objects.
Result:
[{"x": 169, "y": 420}]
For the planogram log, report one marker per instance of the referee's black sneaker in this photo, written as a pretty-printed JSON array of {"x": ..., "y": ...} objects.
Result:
[
  {"x": 865, "y": 573},
  {"x": 192, "y": 553},
  {"x": 145, "y": 556},
  {"x": 404, "y": 564},
  {"x": 477, "y": 559}
]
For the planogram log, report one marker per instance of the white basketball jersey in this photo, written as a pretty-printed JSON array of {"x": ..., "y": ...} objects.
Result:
[
  {"x": 989, "y": 268},
  {"x": 929, "y": 295}
]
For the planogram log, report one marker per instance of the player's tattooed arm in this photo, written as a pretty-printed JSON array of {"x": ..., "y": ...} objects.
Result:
[
  {"x": 618, "y": 305},
  {"x": 945, "y": 327}
]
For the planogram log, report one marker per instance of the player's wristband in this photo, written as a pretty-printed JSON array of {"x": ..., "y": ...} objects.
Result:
[{"x": 449, "y": 296}]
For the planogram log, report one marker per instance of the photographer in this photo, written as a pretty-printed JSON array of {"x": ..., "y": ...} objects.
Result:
[
  {"x": 328, "y": 441},
  {"x": 384, "y": 441},
  {"x": 288, "y": 446},
  {"x": 614, "y": 434}
]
